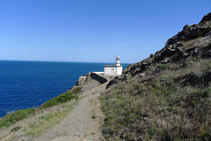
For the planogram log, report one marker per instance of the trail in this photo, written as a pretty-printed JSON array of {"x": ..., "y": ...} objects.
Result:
[{"x": 83, "y": 123}]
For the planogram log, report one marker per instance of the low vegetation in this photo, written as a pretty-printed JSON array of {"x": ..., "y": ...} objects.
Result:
[
  {"x": 18, "y": 115},
  {"x": 159, "y": 107},
  {"x": 67, "y": 96},
  {"x": 12, "y": 118},
  {"x": 37, "y": 124},
  {"x": 46, "y": 121}
]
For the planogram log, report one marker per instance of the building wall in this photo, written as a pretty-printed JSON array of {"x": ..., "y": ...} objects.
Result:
[
  {"x": 112, "y": 70},
  {"x": 119, "y": 70},
  {"x": 97, "y": 77}
]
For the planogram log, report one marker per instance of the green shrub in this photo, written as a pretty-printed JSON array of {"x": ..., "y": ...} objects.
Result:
[
  {"x": 67, "y": 96},
  {"x": 12, "y": 118},
  {"x": 163, "y": 66},
  {"x": 151, "y": 131}
]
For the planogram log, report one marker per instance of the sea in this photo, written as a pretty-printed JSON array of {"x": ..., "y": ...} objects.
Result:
[{"x": 27, "y": 84}]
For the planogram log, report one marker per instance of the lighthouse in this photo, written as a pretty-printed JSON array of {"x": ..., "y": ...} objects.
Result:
[
  {"x": 113, "y": 70},
  {"x": 117, "y": 61}
]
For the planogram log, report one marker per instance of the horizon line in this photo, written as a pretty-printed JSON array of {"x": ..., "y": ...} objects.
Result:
[{"x": 61, "y": 61}]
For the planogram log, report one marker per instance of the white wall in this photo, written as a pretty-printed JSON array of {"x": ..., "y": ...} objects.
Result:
[
  {"x": 119, "y": 70},
  {"x": 112, "y": 70}
]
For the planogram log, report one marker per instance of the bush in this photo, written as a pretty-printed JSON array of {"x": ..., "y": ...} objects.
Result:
[
  {"x": 12, "y": 118},
  {"x": 67, "y": 96}
]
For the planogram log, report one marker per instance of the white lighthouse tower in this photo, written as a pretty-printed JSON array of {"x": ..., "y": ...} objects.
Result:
[
  {"x": 117, "y": 61},
  {"x": 113, "y": 70}
]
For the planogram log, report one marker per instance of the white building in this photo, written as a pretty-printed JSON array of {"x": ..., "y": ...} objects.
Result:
[{"x": 113, "y": 70}]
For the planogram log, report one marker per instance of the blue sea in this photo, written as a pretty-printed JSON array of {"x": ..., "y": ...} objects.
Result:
[{"x": 27, "y": 84}]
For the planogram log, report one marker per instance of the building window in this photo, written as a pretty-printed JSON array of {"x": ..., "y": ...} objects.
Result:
[{"x": 112, "y": 70}]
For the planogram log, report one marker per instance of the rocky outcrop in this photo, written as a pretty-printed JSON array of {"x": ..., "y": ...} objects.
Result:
[
  {"x": 200, "y": 80},
  {"x": 82, "y": 80},
  {"x": 193, "y": 31},
  {"x": 206, "y": 18},
  {"x": 88, "y": 82},
  {"x": 193, "y": 40}
]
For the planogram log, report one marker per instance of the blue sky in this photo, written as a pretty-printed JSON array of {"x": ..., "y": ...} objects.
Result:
[{"x": 92, "y": 30}]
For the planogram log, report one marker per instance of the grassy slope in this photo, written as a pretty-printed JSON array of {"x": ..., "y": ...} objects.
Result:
[
  {"x": 31, "y": 123},
  {"x": 12, "y": 118},
  {"x": 160, "y": 106},
  {"x": 38, "y": 123}
]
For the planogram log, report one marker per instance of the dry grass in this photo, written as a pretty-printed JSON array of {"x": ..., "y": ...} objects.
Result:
[
  {"x": 37, "y": 124},
  {"x": 189, "y": 44},
  {"x": 159, "y": 108},
  {"x": 76, "y": 90}
]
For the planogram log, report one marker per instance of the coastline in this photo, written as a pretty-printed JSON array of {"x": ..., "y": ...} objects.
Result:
[
  {"x": 92, "y": 87},
  {"x": 92, "y": 75},
  {"x": 30, "y": 84}
]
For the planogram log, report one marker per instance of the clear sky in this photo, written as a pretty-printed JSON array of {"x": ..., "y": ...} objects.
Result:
[{"x": 92, "y": 30}]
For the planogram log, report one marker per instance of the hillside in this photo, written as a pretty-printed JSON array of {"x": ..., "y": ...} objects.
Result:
[{"x": 166, "y": 96}]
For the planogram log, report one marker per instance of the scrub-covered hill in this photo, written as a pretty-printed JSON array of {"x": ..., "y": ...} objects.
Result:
[{"x": 166, "y": 96}]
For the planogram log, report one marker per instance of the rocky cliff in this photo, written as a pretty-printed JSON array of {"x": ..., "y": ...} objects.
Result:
[{"x": 193, "y": 40}]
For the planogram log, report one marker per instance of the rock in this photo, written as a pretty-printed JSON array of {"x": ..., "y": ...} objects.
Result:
[
  {"x": 185, "y": 27},
  {"x": 206, "y": 18},
  {"x": 192, "y": 31},
  {"x": 20, "y": 134},
  {"x": 143, "y": 74},
  {"x": 93, "y": 116},
  {"x": 165, "y": 61},
  {"x": 82, "y": 80},
  {"x": 135, "y": 92},
  {"x": 200, "y": 79}
]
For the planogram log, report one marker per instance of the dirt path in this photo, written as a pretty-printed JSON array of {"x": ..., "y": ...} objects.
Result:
[{"x": 83, "y": 123}]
